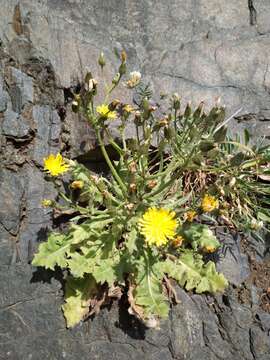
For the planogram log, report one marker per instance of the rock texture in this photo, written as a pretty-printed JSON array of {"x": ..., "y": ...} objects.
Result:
[{"x": 202, "y": 49}]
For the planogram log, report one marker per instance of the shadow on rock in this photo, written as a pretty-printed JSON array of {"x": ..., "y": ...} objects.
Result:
[{"x": 129, "y": 324}]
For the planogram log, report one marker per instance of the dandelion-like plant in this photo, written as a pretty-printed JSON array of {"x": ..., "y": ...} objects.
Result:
[{"x": 146, "y": 223}]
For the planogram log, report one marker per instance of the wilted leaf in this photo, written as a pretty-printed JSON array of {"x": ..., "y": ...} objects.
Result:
[{"x": 78, "y": 295}]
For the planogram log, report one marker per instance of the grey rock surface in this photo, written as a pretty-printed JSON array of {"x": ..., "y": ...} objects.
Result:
[{"x": 202, "y": 49}]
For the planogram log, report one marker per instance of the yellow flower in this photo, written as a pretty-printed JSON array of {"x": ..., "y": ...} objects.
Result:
[
  {"x": 105, "y": 112},
  {"x": 128, "y": 108},
  {"x": 46, "y": 202},
  {"x": 190, "y": 215},
  {"x": 77, "y": 185},
  {"x": 158, "y": 226},
  {"x": 55, "y": 165},
  {"x": 209, "y": 249},
  {"x": 177, "y": 242},
  {"x": 209, "y": 203}
]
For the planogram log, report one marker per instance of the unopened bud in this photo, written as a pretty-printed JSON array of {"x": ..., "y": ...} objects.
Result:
[
  {"x": 128, "y": 108},
  {"x": 123, "y": 56},
  {"x": 132, "y": 187},
  {"x": 94, "y": 178},
  {"x": 105, "y": 194},
  {"x": 138, "y": 118},
  {"x": 130, "y": 206},
  {"x": 163, "y": 122},
  {"x": 176, "y": 101},
  {"x": 101, "y": 60},
  {"x": 92, "y": 84},
  {"x": 177, "y": 242},
  {"x": 188, "y": 110},
  {"x": 221, "y": 191},
  {"x": 255, "y": 224},
  {"x": 122, "y": 68},
  {"x": 75, "y": 106},
  {"x": 132, "y": 167},
  {"x": 168, "y": 133},
  {"x": 113, "y": 105},
  {"x": 116, "y": 79},
  {"x": 151, "y": 184}
]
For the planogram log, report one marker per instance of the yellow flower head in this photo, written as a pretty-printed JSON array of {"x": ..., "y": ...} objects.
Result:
[
  {"x": 77, "y": 185},
  {"x": 46, "y": 203},
  {"x": 158, "y": 226},
  {"x": 209, "y": 203},
  {"x": 190, "y": 215},
  {"x": 105, "y": 112},
  {"x": 209, "y": 249},
  {"x": 55, "y": 165},
  {"x": 177, "y": 242},
  {"x": 128, "y": 108}
]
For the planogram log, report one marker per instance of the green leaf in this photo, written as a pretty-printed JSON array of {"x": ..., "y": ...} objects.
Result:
[
  {"x": 131, "y": 240},
  {"x": 53, "y": 251},
  {"x": 105, "y": 272},
  {"x": 220, "y": 135},
  {"x": 200, "y": 236},
  {"x": 148, "y": 292},
  {"x": 78, "y": 294},
  {"x": 264, "y": 217},
  {"x": 191, "y": 273},
  {"x": 80, "y": 233},
  {"x": 80, "y": 264}
]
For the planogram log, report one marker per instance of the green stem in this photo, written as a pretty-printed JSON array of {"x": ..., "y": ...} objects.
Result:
[
  {"x": 113, "y": 143},
  {"x": 108, "y": 161}
]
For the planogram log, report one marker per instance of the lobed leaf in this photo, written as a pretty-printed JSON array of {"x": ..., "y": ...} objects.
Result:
[
  {"x": 53, "y": 252},
  {"x": 190, "y": 272}
]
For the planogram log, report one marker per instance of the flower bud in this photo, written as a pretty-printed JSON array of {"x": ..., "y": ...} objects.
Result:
[
  {"x": 163, "y": 122},
  {"x": 75, "y": 106},
  {"x": 113, "y": 105},
  {"x": 133, "y": 187},
  {"x": 168, "y": 133},
  {"x": 123, "y": 57},
  {"x": 92, "y": 84},
  {"x": 151, "y": 184},
  {"x": 177, "y": 242},
  {"x": 198, "y": 112},
  {"x": 132, "y": 167},
  {"x": 255, "y": 224},
  {"x": 46, "y": 203},
  {"x": 130, "y": 206},
  {"x": 122, "y": 69},
  {"x": 128, "y": 108},
  {"x": 176, "y": 101},
  {"x": 190, "y": 215},
  {"x": 138, "y": 118},
  {"x": 116, "y": 79},
  {"x": 188, "y": 110},
  {"x": 101, "y": 60}
]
